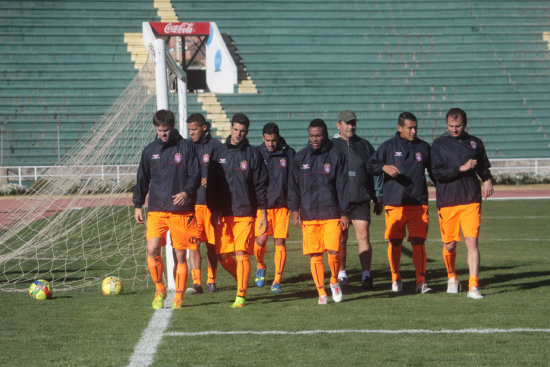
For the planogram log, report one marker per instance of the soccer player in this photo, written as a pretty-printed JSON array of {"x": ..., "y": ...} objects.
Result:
[
  {"x": 169, "y": 172},
  {"x": 459, "y": 161},
  {"x": 404, "y": 160},
  {"x": 199, "y": 131},
  {"x": 362, "y": 191},
  {"x": 319, "y": 199},
  {"x": 277, "y": 156},
  {"x": 237, "y": 185}
]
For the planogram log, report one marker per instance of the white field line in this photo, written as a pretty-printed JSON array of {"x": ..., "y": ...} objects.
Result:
[
  {"x": 354, "y": 331},
  {"x": 146, "y": 348}
]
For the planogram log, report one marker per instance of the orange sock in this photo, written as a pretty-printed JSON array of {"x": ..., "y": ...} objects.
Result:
[
  {"x": 259, "y": 251},
  {"x": 280, "y": 261},
  {"x": 334, "y": 264},
  {"x": 318, "y": 273},
  {"x": 394, "y": 257},
  {"x": 419, "y": 261},
  {"x": 473, "y": 282},
  {"x": 449, "y": 257},
  {"x": 230, "y": 265},
  {"x": 196, "y": 275},
  {"x": 156, "y": 268},
  {"x": 211, "y": 275},
  {"x": 243, "y": 273},
  {"x": 181, "y": 279}
]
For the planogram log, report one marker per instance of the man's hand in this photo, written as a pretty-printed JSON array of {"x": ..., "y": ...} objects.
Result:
[
  {"x": 487, "y": 188},
  {"x": 204, "y": 181},
  {"x": 138, "y": 215},
  {"x": 344, "y": 221},
  {"x": 378, "y": 208},
  {"x": 471, "y": 164},
  {"x": 391, "y": 170},
  {"x": 263, "y": 222},
  {"x": 179, "y": 199},
  {"x": 297, "y": 219}
]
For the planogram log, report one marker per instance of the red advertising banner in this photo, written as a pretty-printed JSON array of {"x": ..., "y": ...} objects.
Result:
[{"x": 181, "y": 28}]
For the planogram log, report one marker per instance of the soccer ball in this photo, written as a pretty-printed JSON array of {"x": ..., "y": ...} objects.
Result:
[
  {"x": 111, "y": 286},
  {"x": 40, "y": 290}
]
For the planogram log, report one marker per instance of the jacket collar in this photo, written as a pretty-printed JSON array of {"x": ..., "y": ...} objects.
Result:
[{"x": 242, "y": 145}]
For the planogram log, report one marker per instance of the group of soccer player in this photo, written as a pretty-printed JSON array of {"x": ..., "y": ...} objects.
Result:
[{"x": 232, "y": 196}]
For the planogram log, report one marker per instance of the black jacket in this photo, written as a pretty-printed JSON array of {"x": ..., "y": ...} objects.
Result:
[
  {"x": 363, "y": 187},
  {"x": 318, "y": 187},
  {"x": 278, "y": 168},
  {"x": 167, "y": 169},
  {"x": 204, "y": 148},
  {"x": 452, "y": 186},
  {"x": 412, "y": 158},
  {"x": 237, "y": 180}
]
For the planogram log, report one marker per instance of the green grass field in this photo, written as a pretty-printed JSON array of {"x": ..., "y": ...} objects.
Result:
[{"x": 84, "y": 328}]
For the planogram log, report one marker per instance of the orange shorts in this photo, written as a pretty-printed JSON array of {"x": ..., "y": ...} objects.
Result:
[
  {"x": 235, "y": 234},
  {"x": 277, "y": 223},
  {"x": 452, "y": 218},
  {"x": 414, "y": 217},
  {"x": 204, "y": 221},
  {"x": 321, "y": 235},
  {"x": 183, "y": 228}
]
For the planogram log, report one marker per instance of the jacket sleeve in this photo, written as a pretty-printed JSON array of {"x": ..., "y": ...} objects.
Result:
[
  {"x": 483, "y": 164},
  {"x": 293, "y": 199},
  {"x": 260, "y": 177},
  {"x": 377, "y": 181},
  {"x": 193, "y": 170},
  {"x": 142, "y": 183},
  {"x": 342, "y": 184},
  {"x": 441, "y": 171},
  {"x": 429, "y": 164}
]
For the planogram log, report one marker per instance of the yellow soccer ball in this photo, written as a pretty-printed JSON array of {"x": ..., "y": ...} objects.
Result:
[
  {"x": 40, "y": 290},
  {"x": 111, "y": 286}
]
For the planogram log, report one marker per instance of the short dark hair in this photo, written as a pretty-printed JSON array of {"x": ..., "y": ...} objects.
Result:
[
  {"x": 271, "y": 128},
  {"x": 406, "y": 116},
  {"x": 240, "y": 118},
  {"x": 164, "y": 118},
  {"x": 198, "y": 119},
  {"x": 454, "y": 112},
  {"x": 319, "y": 123}
]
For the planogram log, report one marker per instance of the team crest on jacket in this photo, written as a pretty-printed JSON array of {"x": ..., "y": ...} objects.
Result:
[
  {"x": 419, "y": 156},
  {"x": 244, "y": 165},
  {"x": 206, "y": 158},
  {"x": 177, "y": 157},
  {"x": 473, "y": 144},
  {"x": 326, "y": 168},
  {"x": 283, "y": 162}
]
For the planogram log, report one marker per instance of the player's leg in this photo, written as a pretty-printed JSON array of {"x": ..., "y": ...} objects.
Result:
[
  {"x": 331, "y": 232},
  {"x": 195, "y": 265},
  {"x": 259, "y": 252},
  {"x": 449, "y": 226},
  {"x": 212, "y": 258},
  {"x": 364, "y": 249},
  {"x": 314, "y": 248},
  {"x": 470, "y": 223},
  {"x": 225, "y": 246},
  {"x": 342, "y": 273},
  {"x": 182, "y": 272},
  {"x": 417, "y": 222},
  {"x": 395, "y": 232},
  {"x": 243, "y": 234},
  {"x": 157, "y": 228},
  {"x": 280, "y": 223}
]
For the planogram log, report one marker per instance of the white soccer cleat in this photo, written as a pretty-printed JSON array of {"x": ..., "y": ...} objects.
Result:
[
  {"x": 453, "y": 285},
  {"x": 323, "y": 300},
  {"x": 397, "y": 287},
  {"x": 474, "y": 293},
  {"x": 423, "y": 288},
  {"x": 336, "y": 292}
]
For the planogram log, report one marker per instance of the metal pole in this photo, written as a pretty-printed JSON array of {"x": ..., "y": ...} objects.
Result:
[
  {"x": 182, "y": 107},
  {"x": 161, "y": 77}
]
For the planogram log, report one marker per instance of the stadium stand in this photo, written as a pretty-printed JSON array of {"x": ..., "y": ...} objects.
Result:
[{"x": 63, "y": 63}]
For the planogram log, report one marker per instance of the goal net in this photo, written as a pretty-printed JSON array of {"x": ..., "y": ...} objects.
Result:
[{"x": 77, "y": 228}]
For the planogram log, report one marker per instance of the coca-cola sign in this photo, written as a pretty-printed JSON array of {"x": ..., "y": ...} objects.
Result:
[{"x": 181, "y": 28}]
